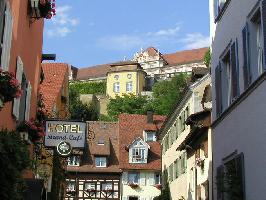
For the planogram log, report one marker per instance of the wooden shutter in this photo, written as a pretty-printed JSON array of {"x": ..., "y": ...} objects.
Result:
[
  {"x": 234, "y": 74},
  {"x": 2, "y": 18},
  {"x": 220, "y": 182},
  {"x": 241, "y": 174},
  {"x": 246, "y": 66},
  {"x": 263, "y": 8},
  {"x": 143, "y": 178},
  {"x": 124, "y": 178},
  {"x": 28, "y": 102},
  {"x": 218, "y": 90},
  {"x": 151, "y": 178},
  {"x": 19, "y": 73},
  {"x": 7, "y": 38}
]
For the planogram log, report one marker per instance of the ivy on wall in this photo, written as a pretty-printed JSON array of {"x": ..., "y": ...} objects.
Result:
[
  {"x": 13, "y": 160},
  {"x": 89, "y": 87}
]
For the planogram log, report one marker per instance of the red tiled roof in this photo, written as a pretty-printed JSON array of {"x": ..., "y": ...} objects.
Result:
[
  {"x": 152, "y": 51},
  {"x": 187, "y": 56},
  {"x": 93, "y": 72},
  {"x": 131, "y": 126},
  {"x": 54, "y": 76},
  {"x": 108, "y": 132}
]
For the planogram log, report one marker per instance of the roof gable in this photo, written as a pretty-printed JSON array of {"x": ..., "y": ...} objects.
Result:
[{"x": 139, "y": 142}]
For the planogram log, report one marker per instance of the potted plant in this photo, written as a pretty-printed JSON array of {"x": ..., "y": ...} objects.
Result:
[
  {"x": 9, "y": 87},
  {"x": 133, "y": 185},
  {"x": 47, "y": 8},
  {"x": 34, "y": 129},
  {"x": 43, "y": 8}
]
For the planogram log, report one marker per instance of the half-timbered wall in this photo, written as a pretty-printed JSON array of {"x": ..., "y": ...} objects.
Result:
[{"x": 93, "y": 187}]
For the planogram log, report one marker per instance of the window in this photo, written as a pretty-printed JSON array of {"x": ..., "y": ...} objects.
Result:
[
  {"x": 73, "y": 161},
  {"x": 116, "y": 77},
  {"x": 150, "y": 136},
  {"x": 107, "y": 186},
  {"x": 129, "y": 76},
  {"x": 197, "y": 102},
  {"x": 170, "y": 173},
  {"x": 157, "y": 179},
  {"x": 230, "y": 179},
  {"x": 116, "y": 87},
  {"x": 133, "y": 177},
  {"x": 138, "y": 155},
  {"x": 255, "y": 45},
  {"x": 227, "y": 79},
  {"x": 129, "y": 86},
  {"x": 6, "y": 26},
  {"x": 100, "y": 142},
  {"x": 89, "y": 186},
  {"x": 71, "y": 186},
  {"x": 100, "y": 161}
]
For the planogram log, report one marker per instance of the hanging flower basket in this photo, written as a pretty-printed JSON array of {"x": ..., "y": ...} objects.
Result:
[
  {"x": 33, "y": 128},
  {"x": 133, "y": 185},
  {"x": 9, "y": 87},
  {"x": 42, "y": 8}
]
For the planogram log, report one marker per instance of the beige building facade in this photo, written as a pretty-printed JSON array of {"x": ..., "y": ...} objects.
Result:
[{"x": 175, "y": 163}]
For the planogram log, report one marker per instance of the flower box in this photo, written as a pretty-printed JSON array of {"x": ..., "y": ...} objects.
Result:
[
  {"x": 133, "y": 185},
  {"x": 34, "y": 129},
  {"x": 158, "y": 186}
]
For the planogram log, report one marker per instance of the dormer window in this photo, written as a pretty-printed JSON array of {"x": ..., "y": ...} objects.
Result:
[
  {"x": 150, "y": 136},
  {"x": 100, "y": 161},
  {"x": 138, "y": 151},
  {"x": 100, "y": 142}
]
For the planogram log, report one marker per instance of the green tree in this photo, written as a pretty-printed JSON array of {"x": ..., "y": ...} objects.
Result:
[
  {"x": 167, "y": 93},
  {"x": 89, "y": 87},
  {"x": 13, "y": 160},
  {"x": 128, "y": 103},
  {"x": 207, "y": 58},
  {"x": 80, "y": 111}
]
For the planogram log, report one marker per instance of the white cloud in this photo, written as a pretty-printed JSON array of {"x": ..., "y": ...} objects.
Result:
[
  {"x": 136, "y": 39},
  {"x": 62, "y": 23},
  {"x": 59, "y": 32},
  {"x": 196, "y": 40}
]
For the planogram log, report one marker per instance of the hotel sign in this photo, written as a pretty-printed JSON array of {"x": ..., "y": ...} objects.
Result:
[{"x": 74, "y": 133}]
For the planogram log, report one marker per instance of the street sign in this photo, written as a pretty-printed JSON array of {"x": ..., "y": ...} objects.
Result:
[{"x": 67, "y": 131}]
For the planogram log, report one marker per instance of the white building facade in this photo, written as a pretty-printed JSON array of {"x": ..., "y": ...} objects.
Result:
[{"x": 238, "y": 30}]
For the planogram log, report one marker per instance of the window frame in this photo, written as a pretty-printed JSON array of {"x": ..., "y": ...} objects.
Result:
[
  {"x": 100, "y": 161},
  {"x": 129, "y": 86},
  {"x": 137, "y": 176},
  {"x": 71, "y": 160},
  {"x": 116, "y": 87}
]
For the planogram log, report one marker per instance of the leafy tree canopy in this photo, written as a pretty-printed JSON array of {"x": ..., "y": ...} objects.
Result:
[
  {"x": 207, "y": 58},
  {"x": 128, "y": 103},
  {"x": 89, "y": 87},
  {"x": 166, "y": 94},
  {"x": 13, "y": 160},
  {"x": 80, "y": 111}
]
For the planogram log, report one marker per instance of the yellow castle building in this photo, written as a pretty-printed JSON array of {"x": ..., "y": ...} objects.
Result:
[{"x": 125, "y": 78}]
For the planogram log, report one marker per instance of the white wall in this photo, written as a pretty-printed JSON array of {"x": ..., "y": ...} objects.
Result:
[
  {"x": 244, "y": 130},
  {"x": 146, "y": 189}
]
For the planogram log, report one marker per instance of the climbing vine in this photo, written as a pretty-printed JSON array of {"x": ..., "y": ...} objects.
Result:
[{"x": 13, "y": 160}]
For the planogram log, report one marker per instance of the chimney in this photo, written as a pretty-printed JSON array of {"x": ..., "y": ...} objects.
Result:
[{"x": 149, "y": 116}]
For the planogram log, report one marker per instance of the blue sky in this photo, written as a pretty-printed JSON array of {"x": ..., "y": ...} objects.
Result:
[{"x": 90, "y": 32}]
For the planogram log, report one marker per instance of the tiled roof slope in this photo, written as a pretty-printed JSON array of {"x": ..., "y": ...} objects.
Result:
[
  {"x": 131, "y": 126},
  {"x": 183, "y": 57},
  {"x": 108, "y": 132},
  {"x": 54, "y": 77},
  {"x": 93, "y": 72}
]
